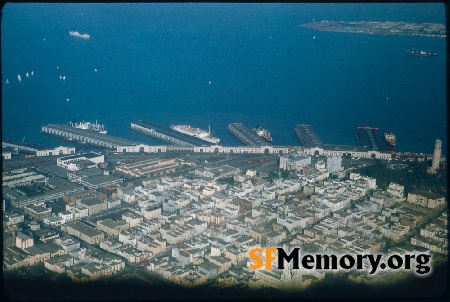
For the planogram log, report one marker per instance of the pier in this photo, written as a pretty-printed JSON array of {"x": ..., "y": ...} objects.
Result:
[
  {"x": 37, "y": 149},
  {"x": 371, "y": 138},
  {"x": 168, "y": 135},
  {"x": 246, "y": 135},
  {"x": 308, "y": 136},
  {"x": 86, "y": 136}
]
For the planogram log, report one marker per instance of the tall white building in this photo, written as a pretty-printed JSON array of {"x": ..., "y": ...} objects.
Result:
[
  {"x": 334, "y": 164},
  {"x": 436, "y": 154},
  {"x": 436, "y": 157}
]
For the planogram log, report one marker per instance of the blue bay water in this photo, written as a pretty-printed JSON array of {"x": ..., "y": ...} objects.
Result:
[{"x": 155, "y": 61}]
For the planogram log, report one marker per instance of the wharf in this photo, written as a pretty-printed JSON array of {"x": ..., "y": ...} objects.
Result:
[
  {"x": 308, "y": 136},
  {"x": 86, "y": 136},
  {"x": 31, "y": 147},
  {"x": 246, "y": 135},
  {"x": 371, "y": 138},
  {"x": 168, "y": 135}
]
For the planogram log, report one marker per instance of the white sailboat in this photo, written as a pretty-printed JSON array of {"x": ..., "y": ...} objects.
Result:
[{"x": 19, "y": 77}]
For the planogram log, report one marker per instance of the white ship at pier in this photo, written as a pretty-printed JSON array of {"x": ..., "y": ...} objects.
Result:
[
  {"x": 100, "y": 128},
  {"x": 196, "y": 132}
]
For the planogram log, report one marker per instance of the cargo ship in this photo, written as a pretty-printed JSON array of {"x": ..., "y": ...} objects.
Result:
[
  {"x": 263, "y": 133},
  {"x": 100, "y": 128},
  {"x": 77, "y": 34},
  {"x": 196, "y": 132},
  {"x": 421, "y": 53},
  {"x": 390, "y": 139}
]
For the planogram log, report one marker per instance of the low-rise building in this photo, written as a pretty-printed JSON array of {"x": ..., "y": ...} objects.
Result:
[
  {"x": 94, "y": 205},
  {"x": 83, "y": 232},
  {"x": 426, "y": 199}
]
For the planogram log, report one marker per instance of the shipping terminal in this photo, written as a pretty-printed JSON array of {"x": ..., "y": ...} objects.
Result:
[{"x": 371, "y": 144}]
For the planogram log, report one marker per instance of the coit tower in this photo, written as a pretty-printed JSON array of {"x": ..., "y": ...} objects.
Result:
[{"x": 436, "y": 155}]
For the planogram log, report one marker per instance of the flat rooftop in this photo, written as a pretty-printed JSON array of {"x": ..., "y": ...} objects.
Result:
[
  {"x": 85, "y": 155},
  {"x": 83, "y": 228},
  {"x": 58, "y": 185},
  {"x": 92, "y": 201}
]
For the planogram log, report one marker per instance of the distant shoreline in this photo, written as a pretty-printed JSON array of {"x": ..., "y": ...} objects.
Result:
[{"x": 435, "y": 30}]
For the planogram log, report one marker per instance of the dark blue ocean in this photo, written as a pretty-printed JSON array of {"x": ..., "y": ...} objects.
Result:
[{"x": 212, "y": 64}]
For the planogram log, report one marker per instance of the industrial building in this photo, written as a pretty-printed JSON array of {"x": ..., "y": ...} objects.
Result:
[
  {"x": 149, "y": 167},
  {"x": 84, "y": 232},
  {"x": 52, "y": 190}
]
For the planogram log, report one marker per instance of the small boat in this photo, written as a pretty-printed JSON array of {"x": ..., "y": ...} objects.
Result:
[
  {"x": 60, "y": 77},
  {"x": 32, "y": 73},
  {"x": 64, "y": 77},
  {"x": 27, "y": 75},
  {"x": 95, "y": 69},
  {"x": 7, "y": 81},
  {"x": 19, "y": 77}
]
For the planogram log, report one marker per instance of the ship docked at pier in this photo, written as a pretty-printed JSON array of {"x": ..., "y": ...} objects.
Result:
[
  {"x": 390, "y": 139},
  {"x": 100, "y": 128},
  {"x": 264, "y": 133},
  {"x": 421, "y": 53},
  {"x": 196, "y": 132},
  {"x": 77, "y": 34}
]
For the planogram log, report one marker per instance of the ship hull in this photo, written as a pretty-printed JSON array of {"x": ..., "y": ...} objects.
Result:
[
  {"x": 419, "y": 54},
  {"x": 198, "y": 133}
]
